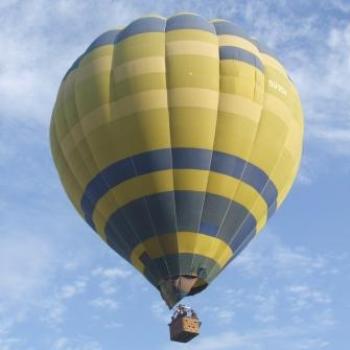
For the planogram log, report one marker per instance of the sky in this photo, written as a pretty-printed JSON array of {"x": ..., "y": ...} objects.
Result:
[{"x": 62, "y": 288}]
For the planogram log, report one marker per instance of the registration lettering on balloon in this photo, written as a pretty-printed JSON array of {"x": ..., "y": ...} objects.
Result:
[{"x": 275, "y": 85}]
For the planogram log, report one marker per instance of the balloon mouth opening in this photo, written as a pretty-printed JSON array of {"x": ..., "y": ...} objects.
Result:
[
  {"x": 200, "y": 285},
  {"x": 175, "y": 288}
]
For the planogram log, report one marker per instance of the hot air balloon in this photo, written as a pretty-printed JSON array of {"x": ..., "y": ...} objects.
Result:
[{"x": 176, "y": 140}]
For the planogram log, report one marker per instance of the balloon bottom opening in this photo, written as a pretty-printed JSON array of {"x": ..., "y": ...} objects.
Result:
[{"x": 175, "y": 288}]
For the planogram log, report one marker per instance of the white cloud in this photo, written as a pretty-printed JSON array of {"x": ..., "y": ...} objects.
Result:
[
  {"x": 304, "y": 297},
  {"x": 65, "y": 343},
  {"x": 70, "y": 290},
  {"x": 313, "y": 343},
  {"x": 54, "y": 307},
  {"x": 327, "y": 104},
  {"x": 160, "y": 311},
  {"x": 111, "y": 273},
  {"x": 54, "y": 310},
  {"x": 38, "y": 55},
  {"x": 254, "y": 339},
  {"x": 25, "y": 266},
  {"x": 105, "y": 303},
  {"x": 114, "y": 325},
  {"x": 9, "y": 343},
  {"x": 341, "y": 5},
  {"x": 227, "y": 340},
  {"x": 267, "y": 303},
  {"x": 270, "y": 256},
  {"x": 109, "y": 277}
]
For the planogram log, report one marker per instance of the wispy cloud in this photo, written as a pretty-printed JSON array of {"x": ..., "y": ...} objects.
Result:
[
  {"x": 288, "y": 338},
  {"x": 160, "y": 311},
  {"x": 106, "y": 303},
  {"x": 24, "y": 268},
  {"x": 64, "y": 343},
  {"x": 270, "y": 255},
  {"x": 52, "y": 35}
]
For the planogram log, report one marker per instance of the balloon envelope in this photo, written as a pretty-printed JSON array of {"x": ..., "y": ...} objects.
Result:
[{"x": 176, "y": 139}]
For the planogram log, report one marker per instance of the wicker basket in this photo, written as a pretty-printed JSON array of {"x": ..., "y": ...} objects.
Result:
[{"x": 183, "y": 329}]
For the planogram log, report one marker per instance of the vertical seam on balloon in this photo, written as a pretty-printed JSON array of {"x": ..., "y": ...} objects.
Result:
[
  {"x": 74, "y": 89},
  {"x": 268, "y": 178},
  {"x": 170, "y": 133},
  {"x": 292, "y": 176},
  {"x": 89, "y": 147},
  {"x": 270, "y": 175},
  {"x": 124, "y": 214},
  {"x": 125, "y": 218},
  {"x": 64, "y": 119},
  {"x": 243, "y": 244},
  {"x": 246, "y": 217},
  {"x": 215, "y": 131},
  {"x": 56, "y": 139},
  {"x": 170, "y": 154},
  {"x": 246, "y": 161},
  {"x": 160, "y": 243},
  {"x": 235, "y": 191},
  {"x": 274, "y": 169}
]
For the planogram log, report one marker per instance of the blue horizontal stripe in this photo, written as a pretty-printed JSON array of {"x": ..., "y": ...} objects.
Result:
[
  {"x": 107, "y": 38},
  {"x": 189, "y": 21},
  {"x": 176, "y": 211},
  {"x": 74, "y": 66},
  {"x": 236, "y": 53},
  {"x": 228, "y": 28},
  {"x": 185, "y": 21},
  {"x": 176, "y": 158},
  {"x": 112, "y": 37},
  {"x": 142, "y": 25},
  {"x": 264, "y": 49}
]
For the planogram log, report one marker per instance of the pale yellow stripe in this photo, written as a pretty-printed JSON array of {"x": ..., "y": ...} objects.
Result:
[
  {"x": 293, "y": 141},
  {"x": 188, "y": 180},
  {"x": 97, "y": 66},
  {"x": 236, "y": 104},
  {"x": 275, "y": 105},
  {"x": 157, "y": 99},
  {"x": 99, "y": 52},
  {"x": 146, "y": 65},
  {"x": 182, "y": 242},
  {"x": 70, "y": 79},
  {"x": 191, "y": 47},
  {"x": 280, "y": 109},
  {"x": 232, "y": 40},
  {"x": 289, "y": 182},
  {"x": 193, "y": 97},
  {"x": 143, "y": 101}
]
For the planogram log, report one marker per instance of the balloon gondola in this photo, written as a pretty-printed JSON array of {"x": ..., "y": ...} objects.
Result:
[
  {"x": 184, "y": 325},
  {"x": 176, "y": 140}
]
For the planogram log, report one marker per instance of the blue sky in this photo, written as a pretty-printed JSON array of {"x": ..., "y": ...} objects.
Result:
[{"x": 61, "y": 288}]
